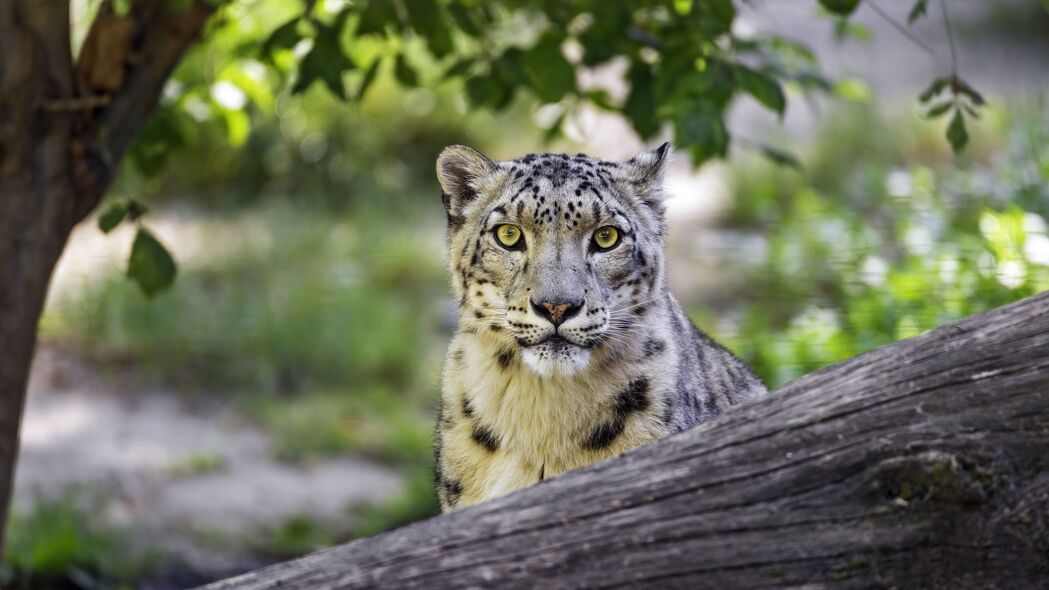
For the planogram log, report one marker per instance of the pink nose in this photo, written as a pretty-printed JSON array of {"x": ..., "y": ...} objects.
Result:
[{"x": 556, "y": 311}]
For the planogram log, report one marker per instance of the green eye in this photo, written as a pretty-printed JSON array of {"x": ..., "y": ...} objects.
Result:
[
  {"x": 606, "y": 238},
  {"x": 508, "y": 236}
]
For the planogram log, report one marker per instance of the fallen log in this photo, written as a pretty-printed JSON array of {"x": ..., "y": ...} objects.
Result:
[{"x": 921, "y": 464}]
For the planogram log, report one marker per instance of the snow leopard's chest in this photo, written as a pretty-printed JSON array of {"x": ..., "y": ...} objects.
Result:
[{"x": 505, "y": 428}]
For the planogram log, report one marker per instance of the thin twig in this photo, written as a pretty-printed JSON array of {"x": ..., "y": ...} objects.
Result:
[
  {"x": 900, "y": 28},
  {"x": 950, "y": 38},
  {"x": 76, "y": 104}
]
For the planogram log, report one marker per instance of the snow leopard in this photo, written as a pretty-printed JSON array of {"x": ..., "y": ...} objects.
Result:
[{"x": 569, "y": 348}]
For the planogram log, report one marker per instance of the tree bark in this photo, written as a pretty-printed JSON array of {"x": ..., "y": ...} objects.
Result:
[
  {"x": 922, "y": 464},
  {"x": 36, "y": 212},
  {"x": 58, "y": 156}
]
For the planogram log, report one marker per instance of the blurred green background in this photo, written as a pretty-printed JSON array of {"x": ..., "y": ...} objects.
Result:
[{"x": 311, "y": 309}]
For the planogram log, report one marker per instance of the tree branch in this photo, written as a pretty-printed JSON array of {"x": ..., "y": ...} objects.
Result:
[
  {"x": 35, "y": 65},
  {"x": 130, "y": 57},
  {"x": 921, "y": 464}
]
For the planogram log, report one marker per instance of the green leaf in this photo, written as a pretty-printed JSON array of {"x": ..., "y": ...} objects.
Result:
[
  {"x": 283, "y": 37},
  {"x": 956, "y": 133},
  {"x": 939, "y": 109},
  {"x": 477, "y": 90},
  {"x": 840, "y": 7},
  {"x": 112, "y": 216},
  {"x": 404, "y": 72},
  {"x": 376, "y": 16},
  {"x": 150, "y": 264},
  {"x": 429, "y": 19},
  {"x": 713, "y": 17},
  {"x": 238, "y": 126},
  {"x": 764, "y": 88},
  {"x": 601, "y": 98},
  {"x": 135, "y": 210},
  {"x": 165, "y": 132},
  {"x": 488, "y": 91},
  {"x": 325, "y": 62},
  {"x": 845, "y": 28},
  {"x": 466, "y": 19},
  {"x": 369, "y": 77},
  {"x": 460, "y": 68},
  {"x": 781, "y": 157},
  {"x": 548, "y": 72},
  {"x": 917, "y": 11},
  {"x": 604, "y": 39},
  {"x": 700, "y": 128},
  {"x": 934, "y": 89},
  {"x": 640, "y": 106},
  {"x": 793, "y": 49},
  {"x": 964, "y": 88}
]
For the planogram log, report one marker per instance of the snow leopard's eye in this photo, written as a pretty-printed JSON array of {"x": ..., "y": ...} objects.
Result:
[
  {"x": 509, "y": 236},
  {"x": 606, "y": 238}
]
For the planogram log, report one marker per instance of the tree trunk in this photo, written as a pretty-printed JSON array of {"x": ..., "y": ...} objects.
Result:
[
  {"x": 922, "y": 464},
  {"x": 36, "y": 208},
  {"x": 60, "y": 142}
]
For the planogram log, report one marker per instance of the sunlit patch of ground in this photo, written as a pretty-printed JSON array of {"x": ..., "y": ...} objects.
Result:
[{"x": 176, "y": 473}]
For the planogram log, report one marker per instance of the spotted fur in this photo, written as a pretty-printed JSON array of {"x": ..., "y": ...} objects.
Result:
[{"x": 524, "y": 399}]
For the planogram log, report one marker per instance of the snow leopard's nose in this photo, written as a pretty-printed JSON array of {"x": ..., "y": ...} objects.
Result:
[{"x": 556, "y": 312}]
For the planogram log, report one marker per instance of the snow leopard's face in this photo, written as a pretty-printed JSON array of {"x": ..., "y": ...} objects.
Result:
[{"x": 558, "y": 255}]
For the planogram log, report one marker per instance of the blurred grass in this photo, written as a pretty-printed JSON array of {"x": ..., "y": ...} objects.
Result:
[
  {"x": 327, "y": 328},
  {"x": 308, "y": 299},
  {"x": 59, "y": 543}
]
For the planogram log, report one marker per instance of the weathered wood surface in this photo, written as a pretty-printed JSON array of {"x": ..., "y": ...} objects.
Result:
[{"x": 922, "y": 464}]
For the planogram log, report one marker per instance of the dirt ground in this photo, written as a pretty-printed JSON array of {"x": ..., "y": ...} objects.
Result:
[{"x": 195, "y": 477}]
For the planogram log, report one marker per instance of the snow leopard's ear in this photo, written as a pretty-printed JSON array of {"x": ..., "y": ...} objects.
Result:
[
  {"x": 461, "y": 171},
  {"x": 645, "y": 173}
]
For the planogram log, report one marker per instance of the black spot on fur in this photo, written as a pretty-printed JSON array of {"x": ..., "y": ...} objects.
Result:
[
  {"x": 632, "y": 399},
  {"x": 542, "y": 472},
  {"x": 605, "y": 434},
  {"x": 455, "y": 222},
  {"x": 484, "y": 436},
  {"x": 453, "y": 490},
  {"x": 505, "y": 357},
  {"x": 654, "y": 347},
  {"x": 668, "y": 410},
  {"x": 468, "y": 410}
]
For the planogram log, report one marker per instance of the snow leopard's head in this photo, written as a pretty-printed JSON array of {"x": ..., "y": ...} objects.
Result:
[{"x": 553, "y": 256}]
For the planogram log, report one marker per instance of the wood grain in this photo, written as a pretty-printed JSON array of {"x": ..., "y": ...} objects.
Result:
[{"x": 922, "y": 464}]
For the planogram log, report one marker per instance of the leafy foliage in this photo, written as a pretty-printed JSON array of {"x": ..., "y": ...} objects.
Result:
[
  {"x": 961, "y": 100},
  {"x": 684, "y": 62},
  {"x": 860, "y": 252},
  {"x": 684, "y": 65}
]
